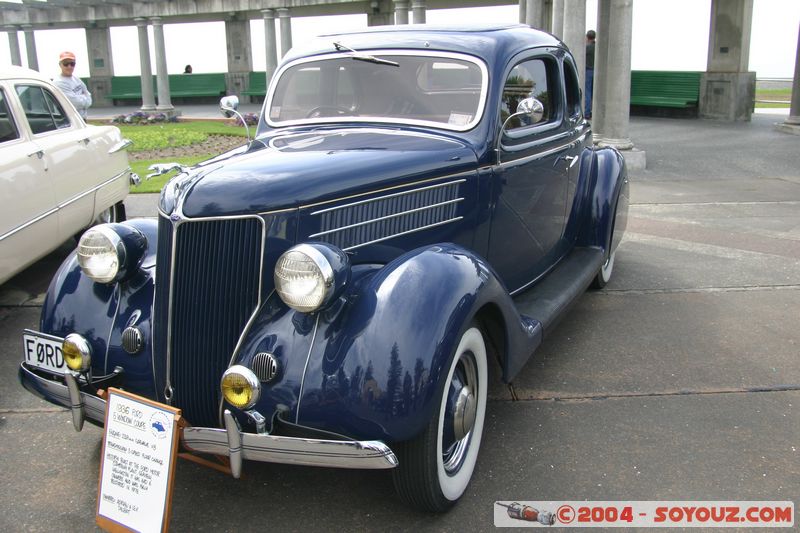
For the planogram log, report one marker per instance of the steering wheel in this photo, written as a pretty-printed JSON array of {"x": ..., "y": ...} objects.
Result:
[{"x": 329, "y": 111}]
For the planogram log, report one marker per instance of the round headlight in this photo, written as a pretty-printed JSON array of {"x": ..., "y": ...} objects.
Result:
[
  {"x": 77, "y": 352},
  {"x": 100, "y": 253},
  {"x": 240, "y": 387},
  {"x": 304, "y": 278}
]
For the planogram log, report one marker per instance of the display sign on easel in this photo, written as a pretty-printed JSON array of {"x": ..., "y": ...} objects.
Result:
[{"x": 137, "y": 465}]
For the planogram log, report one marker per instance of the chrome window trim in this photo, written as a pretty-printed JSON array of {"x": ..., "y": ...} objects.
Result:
[
  {"x": 168, "y": 390},
  {"x": 62, "y": 205},
  {"x": 541, "y": 155},
  {"x": 387, "y": 120}
]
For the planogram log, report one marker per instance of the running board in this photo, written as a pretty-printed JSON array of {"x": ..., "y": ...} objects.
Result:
[{"x": 549, "y": 300}]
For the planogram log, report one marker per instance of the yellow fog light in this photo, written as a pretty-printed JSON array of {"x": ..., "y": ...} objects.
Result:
[
  {"x": 77, "y": 352},
  {"x": 240, "y": 387}
]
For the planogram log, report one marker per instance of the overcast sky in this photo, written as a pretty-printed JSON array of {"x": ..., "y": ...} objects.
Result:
[{"x": 667, "y": 35}]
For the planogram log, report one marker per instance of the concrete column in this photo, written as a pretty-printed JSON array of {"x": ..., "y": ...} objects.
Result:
[
  {"x": 270, "y": 42},
  {"x": 575, "y": 34},
  {"x": 30, "y": 47},
  {"x": 618, "y": 85},
  {"x": 380, "y": 13},
  {"x": 557, "y": 27},
  {"x": 601, "y": 53},
  {"x": 534, "y": 14},
  {"x": 286, "y": 30},
  {"x": 162, "y": 76},
  {"x": 547, "y": 16},
  {"x": 523, "y": 10},
  {"x": 400, "y": 11},
  {"x": 148, "y": 99},
  {"x": 240, "y": 58},
  {"x": 13, "y": 45},
  {"x": 727, "y": 89},
  {"x": 101, "y": 65},
  {"x": 418, "y": 11},
  {"x": 792, "y": 122}
]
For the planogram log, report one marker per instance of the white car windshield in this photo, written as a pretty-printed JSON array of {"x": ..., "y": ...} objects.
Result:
[{"x": 441, "y": 90}]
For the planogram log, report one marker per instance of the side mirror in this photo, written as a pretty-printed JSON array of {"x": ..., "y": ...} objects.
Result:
[
  {"x": 228, "y": 106},
  {"x": 531, "y": 107}
]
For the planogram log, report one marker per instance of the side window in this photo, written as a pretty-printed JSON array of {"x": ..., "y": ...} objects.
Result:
[
  {"x": 42, "y": 110},
  {"x": 531, "y": 78},
  {"x": 573, "y": 92},
  {"x": 8, "y": 130}
]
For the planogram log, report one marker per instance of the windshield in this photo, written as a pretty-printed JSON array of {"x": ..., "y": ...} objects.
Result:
[{"x": 436, "y": 89}]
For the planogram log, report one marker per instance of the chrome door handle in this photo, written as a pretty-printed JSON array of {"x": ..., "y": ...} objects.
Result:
[
  {"x": 570, "y": 159},
  {"x": 84, "y": 141},
  {"x": 38, "y": 153}
]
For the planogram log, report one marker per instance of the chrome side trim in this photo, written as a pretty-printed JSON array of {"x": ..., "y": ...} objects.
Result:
[
  {"x": 395, "y": 187},
  {"x": 371, "y": 454},
  {"x": 62, "y": 206},
  {"x": 540, "y": 155},
  {"x": 123, "y": 144},
  {"x": 387, "y": 217},
  {"x": 379, "y": 198},
  {"x": 305, "y": 369},
  {"x": 415, "y": 230}
]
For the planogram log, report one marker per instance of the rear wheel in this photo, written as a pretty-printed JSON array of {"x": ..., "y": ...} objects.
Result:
[
  {"x": 604, "y": 275},
  {"x": 436, "y": 466}
]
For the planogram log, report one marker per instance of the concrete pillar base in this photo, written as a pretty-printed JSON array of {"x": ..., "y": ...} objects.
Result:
[
  {"x": 147, "y": 109},
  {"x": 635, "y": 159},
  {"x": 727, "y": 95},
  {"x": 787, "y": 127},
  {"x": 169, "y": 111}
]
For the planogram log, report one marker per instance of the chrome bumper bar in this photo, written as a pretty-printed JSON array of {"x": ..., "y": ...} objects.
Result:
[
  {"x": 231, "y": 441},
  {"x": 237, "y": 445}
]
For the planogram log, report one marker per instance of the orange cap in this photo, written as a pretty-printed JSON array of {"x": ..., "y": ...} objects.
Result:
[{"x": 66, "y": 55}]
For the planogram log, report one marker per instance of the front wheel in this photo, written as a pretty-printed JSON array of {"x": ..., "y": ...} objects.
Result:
[{"x": 436, "y": 466}]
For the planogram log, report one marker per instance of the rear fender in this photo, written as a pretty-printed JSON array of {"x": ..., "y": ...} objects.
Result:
[{"x": 607, "y": 199}]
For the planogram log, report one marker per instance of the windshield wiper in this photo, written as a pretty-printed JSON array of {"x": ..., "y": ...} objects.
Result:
[{"x": 358, "y": 56}]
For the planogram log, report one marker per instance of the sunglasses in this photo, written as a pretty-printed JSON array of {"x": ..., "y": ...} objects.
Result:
[{"x": 68, "y": 63}]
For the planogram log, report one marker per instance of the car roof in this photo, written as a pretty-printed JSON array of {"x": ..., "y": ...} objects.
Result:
[
  {"x": 482, "y": 40},
  {"x": 12, "y": 72}
]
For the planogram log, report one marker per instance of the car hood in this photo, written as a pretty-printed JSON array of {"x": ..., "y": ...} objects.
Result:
[{"x": 290, "y": 171}]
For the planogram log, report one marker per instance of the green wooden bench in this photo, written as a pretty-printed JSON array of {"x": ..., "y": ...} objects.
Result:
[
  {"x": 665, "y": 88},
  {"x": 127, "y": 87},
  {"x": 257, "y": 85},
  {"x": 182, "y": 85}
]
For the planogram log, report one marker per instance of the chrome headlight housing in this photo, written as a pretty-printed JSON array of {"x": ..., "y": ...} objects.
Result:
[
  {"x": 240, "y": 387},
  {"x": 111, "y": 252},
  {"x": 310, "y": 276},
  {"x": 77, "y": 352}
]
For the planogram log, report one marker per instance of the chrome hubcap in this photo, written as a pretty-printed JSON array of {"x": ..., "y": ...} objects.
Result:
[{"x": 465, "y": 413}]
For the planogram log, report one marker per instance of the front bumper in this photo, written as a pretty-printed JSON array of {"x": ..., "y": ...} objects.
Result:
[{"x": 231, "y": 441}]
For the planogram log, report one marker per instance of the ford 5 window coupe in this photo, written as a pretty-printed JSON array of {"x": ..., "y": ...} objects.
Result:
[{"x": 418, "y": 203}]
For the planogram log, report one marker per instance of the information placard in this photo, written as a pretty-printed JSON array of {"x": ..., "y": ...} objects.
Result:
[{"x": 137, "y": 464}]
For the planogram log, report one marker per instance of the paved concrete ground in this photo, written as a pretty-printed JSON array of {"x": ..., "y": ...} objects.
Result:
[{"x": 679, "y": 381}]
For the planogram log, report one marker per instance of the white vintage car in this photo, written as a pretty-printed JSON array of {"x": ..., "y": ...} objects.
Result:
[{"x": 58, "y": 175}]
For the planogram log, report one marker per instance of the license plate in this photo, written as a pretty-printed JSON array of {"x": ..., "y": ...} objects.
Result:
[{"x": 43, "y": 351}]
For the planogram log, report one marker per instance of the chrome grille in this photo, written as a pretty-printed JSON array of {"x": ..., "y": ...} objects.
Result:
[
  {"x": 214, "y": 290},
  {"x": 365, "y": 222}
]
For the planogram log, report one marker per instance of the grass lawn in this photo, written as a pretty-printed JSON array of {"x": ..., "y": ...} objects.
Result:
[
  {"x": 171, "y": 134},
  {"x": 773, "y": 95},
  {"x": 155, "y": 184}
]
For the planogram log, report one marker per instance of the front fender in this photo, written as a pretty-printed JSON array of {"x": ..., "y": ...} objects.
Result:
[
  {"x": 372, "y": 366},
  {"x": 100, "y": 312}
]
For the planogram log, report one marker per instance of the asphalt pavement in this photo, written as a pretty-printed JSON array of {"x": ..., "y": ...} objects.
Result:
[{"x": 679, "y": 381}]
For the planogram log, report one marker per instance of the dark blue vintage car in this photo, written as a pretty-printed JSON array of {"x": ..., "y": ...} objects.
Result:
[{"x": 418, "y": 203}]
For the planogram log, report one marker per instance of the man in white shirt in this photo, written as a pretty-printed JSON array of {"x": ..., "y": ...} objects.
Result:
[{"x": 71, "y": 85}]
